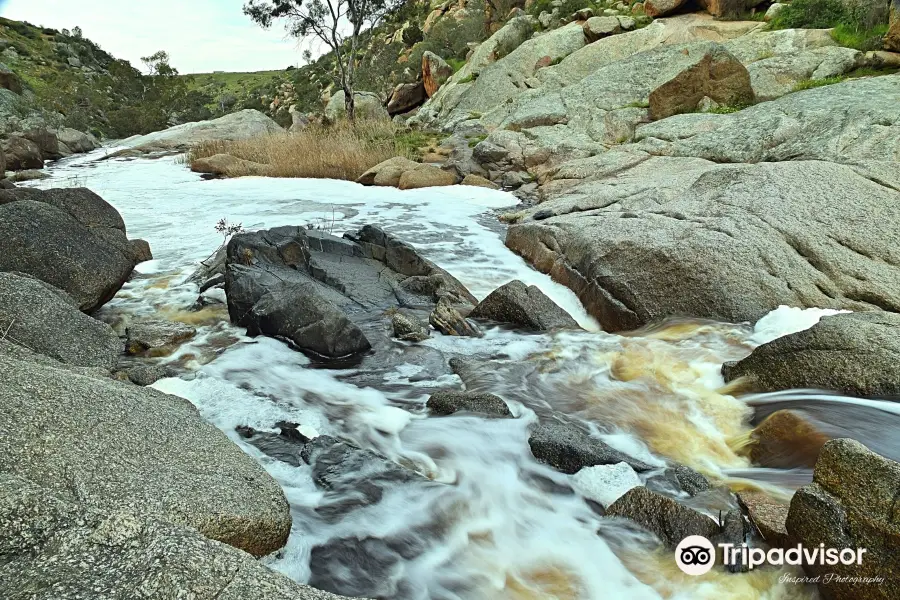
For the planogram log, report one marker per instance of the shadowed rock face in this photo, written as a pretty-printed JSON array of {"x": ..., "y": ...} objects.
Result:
[
  {"x": 314, "y": 289},
  {"x": 70, "y": 238},
  {"x": 527, "y": 306},
  {"x": 852, "y": 503},
  {"x": 114, "y": 446},
  {"x": 854, "y": 354}
]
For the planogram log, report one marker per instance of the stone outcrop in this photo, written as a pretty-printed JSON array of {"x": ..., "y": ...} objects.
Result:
[
  {"x": 115, "y": 447},
  {"x": 70, "y": 238},
  {"x": 37, "y": 316},
  {"x": 768, "y": 516},
  {"x": 155, "y": 335},
  {"x": 852, "y": 503},
  {"x": 568, "y": 448},
  {"x": 854, "y": 354},
  {"x": 670, "y": 521},
  {"x": 734, "y": 241},
  {"x": 435, "y": 71},
  {"x": 405, "y": 97},
  {"x": 241, "y": 125},
  {"x": 72, "y": 141},
  {"x": 406, "y": 174},
  {"x": 21, "y": 154},
  {"x": 786, "y": 439},
  {"x": 892, "y": 38},
  {"x": 53, "y": 541},
  {"x": 307, "y": 286},
  {"x": 526, "y": 306},
  {"x": 449, "y": 402}
]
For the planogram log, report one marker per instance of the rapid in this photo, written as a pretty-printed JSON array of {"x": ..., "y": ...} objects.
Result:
[{"x": 487, "y": 521}]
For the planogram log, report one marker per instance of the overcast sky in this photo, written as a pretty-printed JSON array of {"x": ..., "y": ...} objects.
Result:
[{"x": 199, "y": 35}]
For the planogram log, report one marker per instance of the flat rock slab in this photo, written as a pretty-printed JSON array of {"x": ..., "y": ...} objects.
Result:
[
  {"x": 114, "y": 446},
  {"x": 854, "y": 354},
  {"x": 52, "y": 542}
]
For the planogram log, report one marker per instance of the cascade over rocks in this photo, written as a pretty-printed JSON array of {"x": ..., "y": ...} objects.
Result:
[
  {"x": 315, "y": 290},
  {"x": 70, "y": 238},
  {"x": 854, "y": 354},
  {"x": 851, "y": 503},
  {"x": 123, "y": 448}
]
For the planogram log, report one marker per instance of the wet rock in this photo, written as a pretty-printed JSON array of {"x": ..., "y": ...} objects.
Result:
[
  {"x": 230, "y": 166},
  {"x": 448, "y": 402},
  {"x": 122, "y": 447},
  {"x": 150, "y": 335},
  {"x": 37, "y": 316},
  {"x": 768, "y": 516},
  {"x": 366, "y": 567},
  {"x": 854, "y": 354},
  {"x": 70, "y": 238},
  {"x": 138, "y": 251},
  {"x": 690, "y": 481},
  {"x": 405, "y": 97},
  {"x": 435, "y": 71},
  {"x": 145, "y": 375},
  {"x": 568, "y": 448},
  {"x": 308, "y": 286},
  {"x": 526, "y": 306},
  {"x": 211, "y": 267},
  {"x": 786, "y": 439},
  {"x": 408, "y": 328},
  {"x": 605, "y": 484},
  {"x": 851, "y": 504},
  {"x": 286, "y": 446},
  {"x": 214, "y": 281},
  {"x": 446, "y": 319},
  {"x": 53, "y": 542},
  {"x": 670, "y": 521}
]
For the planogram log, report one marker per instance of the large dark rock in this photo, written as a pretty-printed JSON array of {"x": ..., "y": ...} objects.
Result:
[
  {"x": 314, "y": 289},
  {"x": 53, "y": 542},
  {"x": 449, "y": 321},
  {"x": 116, "y": 447},
  {"x": 687, "y": 237},
  {"x": 670, "y": 521},
  {"x": 527, "y": 306},
  {"x": 855, "y": 354},
  {"x": 448, "y": 402},
  {"x": 567, "y": 447},
  {"x": 46, "y": 320},
  {"x": 405, "y": 97},
  {"x": 21, "y": 154},
  {"x": 70, "y": 238},
  {"x": 852, "y": 503},
  {"x": 46, "y": 141}
]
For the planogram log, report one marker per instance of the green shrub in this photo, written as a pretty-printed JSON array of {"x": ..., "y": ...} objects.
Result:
[
  {"x": 810, "y": 14},
  {"x": 808, "y": 84},
  {"x": 860, "y": 39},
  {"x": 859, "y": 24}
]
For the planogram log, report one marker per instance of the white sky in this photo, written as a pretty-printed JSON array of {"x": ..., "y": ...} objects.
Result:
[{"x": 199, "y": 35}]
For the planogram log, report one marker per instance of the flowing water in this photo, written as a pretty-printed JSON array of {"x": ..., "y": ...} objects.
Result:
[{"x": 488, "y": 521}]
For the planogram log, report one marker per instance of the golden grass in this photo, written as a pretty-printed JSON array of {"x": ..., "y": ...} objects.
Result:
[{"x": 340, "y": 151}]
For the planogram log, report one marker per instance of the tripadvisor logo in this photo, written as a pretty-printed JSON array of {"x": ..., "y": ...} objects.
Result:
[{"x": 696, "y": 555}]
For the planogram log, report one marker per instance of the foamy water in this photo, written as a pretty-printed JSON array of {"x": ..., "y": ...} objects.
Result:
[{"x": 486, "y": 520}]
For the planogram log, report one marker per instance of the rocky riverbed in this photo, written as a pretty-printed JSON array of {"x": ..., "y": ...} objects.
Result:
[{"x": 367, "y": 389}]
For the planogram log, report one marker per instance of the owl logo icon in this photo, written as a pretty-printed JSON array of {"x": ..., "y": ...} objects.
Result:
[{"x": 695, "y": 555}]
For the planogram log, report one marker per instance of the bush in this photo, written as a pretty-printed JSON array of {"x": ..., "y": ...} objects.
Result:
[
  {"x": 341, "y": 151},
  {"x": 859, "y": 24},
  {"x": 808, "y": 84},
  {"x": 810, "y": 14}
]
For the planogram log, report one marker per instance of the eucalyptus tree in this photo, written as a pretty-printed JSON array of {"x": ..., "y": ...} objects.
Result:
[{"x": 339, "y": 24}]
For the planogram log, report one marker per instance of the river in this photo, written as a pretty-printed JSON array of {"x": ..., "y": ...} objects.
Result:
[{"x": 502, "y": 525}]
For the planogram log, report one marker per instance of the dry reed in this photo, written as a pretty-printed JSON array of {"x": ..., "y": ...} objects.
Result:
[{"x": 341, "y": 151}]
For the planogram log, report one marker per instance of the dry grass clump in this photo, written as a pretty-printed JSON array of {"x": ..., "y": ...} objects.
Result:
[{"x": 341, "y": 151}]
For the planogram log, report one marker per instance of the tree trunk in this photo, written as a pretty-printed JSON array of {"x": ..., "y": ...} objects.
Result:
[{"x": 350, "y": 103}]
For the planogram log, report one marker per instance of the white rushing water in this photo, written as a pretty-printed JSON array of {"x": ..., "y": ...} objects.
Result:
[{"x": 489, "y": 521}]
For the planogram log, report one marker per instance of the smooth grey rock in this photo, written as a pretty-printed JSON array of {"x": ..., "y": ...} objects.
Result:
[
  {"x": 774, "y": 77},
  {"x": 855, "y": 354},
  {"x": 527, "y": 306},
  {"x": 852, "y": 503},
  {"x": 366, "y": 105},
  {"x": 448, "y": 402},
  {"x": 734, "y": 241},
  {"x": 70, "y": 238},
  {"x": 76, "y": 141},
  {"x": 52, "y": 542},
  {"x": 46, "y": 320},
  {"x": 113, "y": 446},
  {"x": 408, "y": 328},
  {"x": 446, "y": 319},
  {"x": 568, "y": 448}
]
